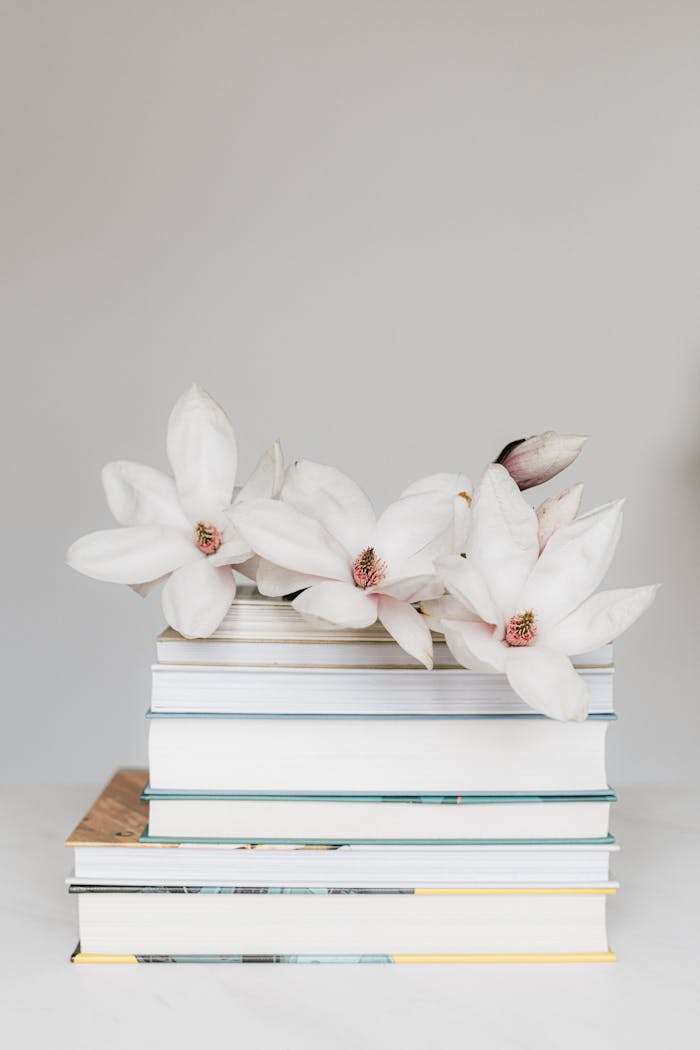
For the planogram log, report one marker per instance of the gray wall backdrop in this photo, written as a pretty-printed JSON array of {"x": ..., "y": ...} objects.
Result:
[{"x": 396, "y": 235}]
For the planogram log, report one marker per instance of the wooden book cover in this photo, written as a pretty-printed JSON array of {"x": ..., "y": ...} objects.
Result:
[{"x": 118, "y": 817}]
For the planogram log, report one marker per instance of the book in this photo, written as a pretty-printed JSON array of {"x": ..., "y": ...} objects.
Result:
[
  {"x": 351, "y": 690},
  {"x": 112, "y": 844},
  {"x": 128, "y": 809},
  {"x": 128, "y": 814},
  {"x": 259, "y": 631},
  {"x": 377, "y": 755},
  {"x": 253, "y": 819},
  {"x": 373, "y": 648},
  {"x": 82, "y": 958},
  {"x": 344, "y": 866},
  {"x": 260, "y": 921}
]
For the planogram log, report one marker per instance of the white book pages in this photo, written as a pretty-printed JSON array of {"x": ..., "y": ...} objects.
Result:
[
  {"x": 376, "y": 755},
  {"x": 354, "y": 923},
  {"x": 275, "y": 690}
]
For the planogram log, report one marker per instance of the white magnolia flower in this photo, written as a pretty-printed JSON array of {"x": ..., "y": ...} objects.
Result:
[
  {"x": 177, "y": 527},
  {"x": 551, "y": 515},
  {"x": 525, "y": 613},
  {"x": 534, "y": 460},
  {"x": 322, "y": 537}
]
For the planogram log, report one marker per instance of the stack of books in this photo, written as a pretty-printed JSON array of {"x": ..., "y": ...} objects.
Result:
[{"x": 314, "y": 796}]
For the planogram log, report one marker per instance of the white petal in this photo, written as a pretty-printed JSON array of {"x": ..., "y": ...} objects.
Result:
[
  {"x": 249, "y": 568},
  {"x": 231, "y": 552},
  {"x": 286, "y": 537},
  {"x": 144, "y": 589},
  {"x": 557, "y": 511},
  {"x": 600, "y": 619},
  {"x": 337, "y": 604},
  {"x": 572, "y": 565},
  {"x": 547, "y": 682},
  {"x": 412, "y": 588},
  {"x": 474, "y": 645},
  {"x": 444, "y": 484},
  {"x": 278, "y": 480},
  {"x": 139, "y": 495},
  {"x": 502, "y": 544},
  {"x": 333, "y": 499},
  {"x": 202, "y": 453},
  {"x": 197, "y": 597},
  {"x": 447, "y": 607},
  {"x": 134, "y": 555},
  {"x": 266, "y": 480},
  {"x": 418, "y": 528},
  {"x": 407, "y": 627},
  {"x": 466, "y": 583},
  {"x": 459, "y": 488},
  {"x": 274, "y": 581},
  {"x": 462, "y": 523}
]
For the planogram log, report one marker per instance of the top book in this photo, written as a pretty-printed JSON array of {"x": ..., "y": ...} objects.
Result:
[{"x": 259, "y": 631}]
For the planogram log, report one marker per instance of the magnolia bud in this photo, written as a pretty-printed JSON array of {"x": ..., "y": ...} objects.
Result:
[
  {"x": 557, "y": 511},
  {"x": 534, "y": 460}
]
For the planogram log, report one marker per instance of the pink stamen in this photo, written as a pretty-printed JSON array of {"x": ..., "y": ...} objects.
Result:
[
  {"x": 521, "y": 629},
  {"x": 208, "y": 538},
  {"x": 368, "y": 570}
]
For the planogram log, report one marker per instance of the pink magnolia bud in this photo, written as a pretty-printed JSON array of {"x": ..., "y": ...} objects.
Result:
[
  {"x": 557, "y": 511},
  {"x": 534, "y": 460}
]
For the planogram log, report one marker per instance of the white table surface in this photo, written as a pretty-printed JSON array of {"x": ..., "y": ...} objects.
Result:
[{"x": 650, "y": 998}]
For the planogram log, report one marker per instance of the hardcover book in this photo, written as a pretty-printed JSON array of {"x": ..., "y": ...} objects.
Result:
[
  {"x": 113, "y": 845},
  {"x": 377, "y": 755}
]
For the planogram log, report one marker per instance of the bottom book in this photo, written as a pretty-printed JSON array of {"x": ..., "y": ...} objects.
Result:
[
  {"x": 231, "y": 923},
  {"x": 582, "y": 957}
]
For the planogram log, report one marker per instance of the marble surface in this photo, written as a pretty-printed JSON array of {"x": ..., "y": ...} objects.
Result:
[{"x": 654, "y": 988}]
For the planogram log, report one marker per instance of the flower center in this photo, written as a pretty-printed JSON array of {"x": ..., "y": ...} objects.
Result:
[
  {"x": 521, "y": 629},
  {"x": 368, "y": 570},
  {"x": 207, "y": 538}
]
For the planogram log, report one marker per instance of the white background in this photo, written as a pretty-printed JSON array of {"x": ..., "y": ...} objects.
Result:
[{"x": 396, "y": 235}]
